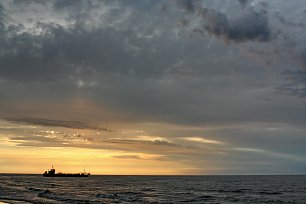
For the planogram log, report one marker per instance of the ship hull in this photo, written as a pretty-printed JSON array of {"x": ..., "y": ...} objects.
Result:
[{"x": 65, "y": 175}]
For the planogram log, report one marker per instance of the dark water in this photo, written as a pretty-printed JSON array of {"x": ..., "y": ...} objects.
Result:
[{"x": 153, "y": 189}]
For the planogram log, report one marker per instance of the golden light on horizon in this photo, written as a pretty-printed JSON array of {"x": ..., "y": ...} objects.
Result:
[
  {"x": 29, "y": 160},
  {"x": 27, "y": 148}
]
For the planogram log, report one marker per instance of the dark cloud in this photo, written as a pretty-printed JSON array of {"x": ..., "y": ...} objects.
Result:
[
  {"x": 2, "y": 18},
  {"x": 243, "y": 2},
  {"x": 287, "y": 22},
  {"x": 71, "y": 3},
  {"x": 62, "y": 54},
  {"x": 251, "y": 26},
  {"x": 56, "y": 123},
  {"x": 29, "y": 2},
  {"x": 23, "y": 59},
  {"x": 188, "y": 5}
]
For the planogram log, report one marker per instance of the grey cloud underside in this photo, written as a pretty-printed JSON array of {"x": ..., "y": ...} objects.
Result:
[
  {"x": 62, "y": 55},
  {"x": 188, "y": 5},
  {"x": 251, "y": 26},
  {"x": 61, "y": 52},
  {"x": 147, "y": 68},
  {"x": 243, "y": 2},
  {"x": 56, "y": 123},
  {"x": 2, "y": 16},
  {"x": 36, "y": 139}
]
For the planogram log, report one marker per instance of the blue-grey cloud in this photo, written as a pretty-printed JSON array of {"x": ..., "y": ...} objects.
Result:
[
  {"x": 2, "y": 18},
  {"x": 188, "y": 5},
  {"x": 250, "y": 26},
  {"x": 287, "y": 22},
  {"x": 243, "y": 2},
  {"x": 60, "y": 53}
]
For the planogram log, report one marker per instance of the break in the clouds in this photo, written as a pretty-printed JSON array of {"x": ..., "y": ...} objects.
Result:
[{"x": 199, "y": 82}]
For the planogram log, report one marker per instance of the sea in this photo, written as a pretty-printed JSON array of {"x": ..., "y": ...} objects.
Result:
[{"x": 25, "y": 189}]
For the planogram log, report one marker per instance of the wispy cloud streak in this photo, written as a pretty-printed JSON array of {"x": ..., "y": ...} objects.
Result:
[{"x": 56, "y": 123}]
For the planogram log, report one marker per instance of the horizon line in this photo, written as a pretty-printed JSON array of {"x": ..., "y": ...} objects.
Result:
[{"x": 170, "y": 174}]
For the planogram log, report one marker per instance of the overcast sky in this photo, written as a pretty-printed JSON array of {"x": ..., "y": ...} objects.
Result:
[{"x": 153, "y": 86}]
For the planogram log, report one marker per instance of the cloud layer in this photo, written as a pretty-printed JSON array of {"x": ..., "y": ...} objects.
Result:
[{"x": 203, "y": 81}]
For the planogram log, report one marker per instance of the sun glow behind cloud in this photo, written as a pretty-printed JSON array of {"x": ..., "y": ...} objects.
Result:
[
  {"x": 202, "y": 140},
  {"x": 69, "y": 159},
  {"x": 74, "y": 149},
  {"x": 17, "y": 156}
]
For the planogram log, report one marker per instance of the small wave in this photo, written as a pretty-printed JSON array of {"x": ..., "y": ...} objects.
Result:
[
  {"x": 52, "y": 185},
  {"x": 206, "y": 197},
  {"x": 269, "y": 193},
  {"x": 50, "y": 196},
  {"x": 243, "y": 190},
  {"x": 43, "y": 193},
  {"x": 148, "y": 189},
  {"x": 129, "y": 196},
  {"x": 237, "y": 191},
  {"x": 108, "y": 196},
  {"x": 202, "y": 198},
  {"x": 35, "y": 189}
]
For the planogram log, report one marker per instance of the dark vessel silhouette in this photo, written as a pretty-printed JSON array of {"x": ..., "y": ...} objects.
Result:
[{"x": 51, "y": 173}]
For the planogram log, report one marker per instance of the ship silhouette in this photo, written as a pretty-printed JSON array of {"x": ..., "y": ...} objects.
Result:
[{"x": 51, "y": 173}]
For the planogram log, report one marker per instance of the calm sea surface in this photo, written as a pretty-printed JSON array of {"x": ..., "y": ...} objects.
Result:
[{"x": 153, "y": 189}]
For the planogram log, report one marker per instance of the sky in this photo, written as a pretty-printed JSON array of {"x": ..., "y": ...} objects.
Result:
[{"x": 184, "y": 87}]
